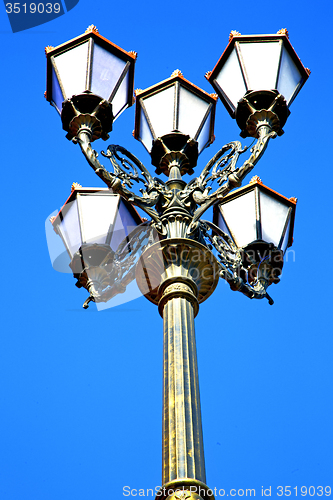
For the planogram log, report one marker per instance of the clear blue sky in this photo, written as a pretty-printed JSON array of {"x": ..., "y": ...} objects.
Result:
[{"x": 81, "y": 391}]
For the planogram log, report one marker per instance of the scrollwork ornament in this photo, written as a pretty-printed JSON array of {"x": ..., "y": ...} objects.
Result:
[
  {"x": 124, "y": 169},
  {"x": 165, "y": 204},
  {"x": 118, "y": 269}
]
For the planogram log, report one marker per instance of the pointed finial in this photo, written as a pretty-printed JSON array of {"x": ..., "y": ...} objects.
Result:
[
  {"x": 283, "y": 31},
  {"x": 48, "y": 49},
  {"x": 234, "y": 33},
  {"x": 133, "y": 54},
  {"x": 256, "y": 180},
  {"x": 91, "y": 29},
  {"x": 75, "y": 185},
  {"x": 294, "y": 200},
  {"x": 177, "y": 72}
]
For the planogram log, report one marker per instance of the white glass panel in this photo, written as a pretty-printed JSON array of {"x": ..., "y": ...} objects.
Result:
[
  {"x": 70, "y": 226},
  {"x": 106, "y": 70},
  {"x": 240, "y": 215},
  {"x": 222, "y": 225},
  {"x": 273, "y": 216},
  {"x": 59, "y": 257},
  {"x": 72, "y": 68},
  {"x": 97, "y": 212},
  {"x": 289, "y": 76},
  {"x": 124, "y": 225},
  {"x": 192, "y": 110},
  {"x": 203, "y": 138},
  {"x": 261, "y": 61},
  {"x": 145, "y": 134},
  {"x": 160, "y": 109},
  {"x": 286, "y": 238},
  {"x": 230, "y": 79},
  {"x": 57, "y": 96},
  {"x": 120, "y": 100}
]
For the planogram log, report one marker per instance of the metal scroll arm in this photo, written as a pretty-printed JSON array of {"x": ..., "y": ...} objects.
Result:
[
  {"x": 230, "y": 263},
  {"x": 124, "y": 174},
  {"x": 117, "y": 270},
  {"x": 230, "y": 175}
]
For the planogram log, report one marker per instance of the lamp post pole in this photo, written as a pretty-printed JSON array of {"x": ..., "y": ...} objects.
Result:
[{"x": 186, "y": 272}]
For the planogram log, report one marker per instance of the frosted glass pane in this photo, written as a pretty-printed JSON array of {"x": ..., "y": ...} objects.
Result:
[
  {"x": 72, "y": 68},
  {"x": 145, "y": 134},
  {"x": 57, "y": 96},
  {"x": 160, "y": 109},
  {"x": 286, "y": 238},
  {"x": 240, "y": 215},
  {"x": 106, "y": 70},
  {"x": 124, "y": 225},
  {"x": 204, "y": 135},
  {"x": 222, "y": 225},
  {"x": 70, "y": 227},
  {"x": 192, "y": 110},
  {"x": 289, "y": 76},
  {"x": 273, "y": 218},
  {"x": 261, "y": 61},
  {"x": 97, "y": 212},
  {"x": 230, "y": 79},
  {"x": 120, "y": 100},
  {"x": 59, "y": 257}
]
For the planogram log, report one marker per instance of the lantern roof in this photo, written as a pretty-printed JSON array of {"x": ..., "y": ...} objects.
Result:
[
  {"x": 256, "y": 181},
  {"x": 237, "y": 37},
  {"x": 254, "y": 184},
  {"x": 91, "y": 32},
  {"x": 177, "y": 75},
  {"x": 78, "y": 189}
]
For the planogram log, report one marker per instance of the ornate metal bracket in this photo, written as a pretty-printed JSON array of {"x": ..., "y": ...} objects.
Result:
[
  {"x": 176, "y": 207},
  {"x": 231, "y": 262},
  {"x": 105, "y": 273}
]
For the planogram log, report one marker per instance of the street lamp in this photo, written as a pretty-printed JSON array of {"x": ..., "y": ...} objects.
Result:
[
  {"x": 89, "y": 79},
  {"x": 260, "y": 222},
  {"x": 174, "y": 115},
  {"x": 258, "y": 72},
  {"x": 178, "y": 257},
  {"x": 93, "y": 224}
]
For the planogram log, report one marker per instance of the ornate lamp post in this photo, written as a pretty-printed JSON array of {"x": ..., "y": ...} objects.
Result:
[{"x": 176, "y": 257}]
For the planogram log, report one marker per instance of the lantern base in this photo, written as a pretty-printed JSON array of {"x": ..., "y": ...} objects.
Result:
[
  {"x": 175, "y": 149},
  {"x": 263, "y": 262},
  {"x": 263, "y": 107},
  {"x": 88, "y": 112},
  {"x": 94, "y": 268}
]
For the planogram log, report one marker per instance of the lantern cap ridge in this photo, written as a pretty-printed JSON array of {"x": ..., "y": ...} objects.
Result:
[
  {"x": 256, "y": 181},
  {"x": 50, "y": 50},
  {"x": 280, "y": 35},
  {"x": 176, "y": 75}
]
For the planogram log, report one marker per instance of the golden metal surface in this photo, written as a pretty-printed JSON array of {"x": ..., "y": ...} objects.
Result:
[
  {"x": 75, "y": 185},
  {"x": 191, "y": 488},
  {"x": 177, "y": 274},
  {"x": 177, "y": 260},
  {"x": 234, "y": 33},
  {"x": 183, "y": 453},
  {"x": 91, "y": 29},
  {"x": 255, "y": 180},
  {"x": 283, "y": 31}
]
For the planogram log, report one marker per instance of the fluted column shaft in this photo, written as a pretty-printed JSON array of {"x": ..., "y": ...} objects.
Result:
[{"x": 183, "y": 453}]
